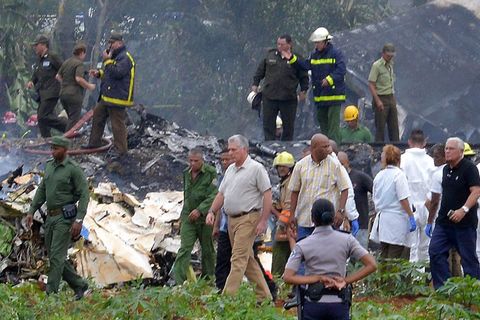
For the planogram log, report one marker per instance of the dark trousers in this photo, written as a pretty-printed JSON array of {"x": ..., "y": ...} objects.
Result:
[
  {"x": 329, "y": 120},
  {"x": 288, "y": 111},
  {"x": 394, "y": 251},
  {"x": 117, "y": 116},
  {"x": 57, "y": 241},
  {"x": 280, "y": 254},
  {"x": 464, "y": 239},
  {"x": 73, "y": 107},
  {"x": 389, "y": 117},
  {"x": 327, "y": 311},
  {"x": 224, "y": 253},
  {"x": 48, "y": 119}
]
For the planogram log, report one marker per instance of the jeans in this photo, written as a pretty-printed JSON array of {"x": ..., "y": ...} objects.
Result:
[
  {"x": 303, "y": 232},
  {"x": 464, "y": 240}
]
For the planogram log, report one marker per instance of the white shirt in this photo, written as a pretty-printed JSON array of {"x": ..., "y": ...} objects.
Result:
[
  {"x": 350, "y": 207},
  {"x": 391, "y": 224},
  {"x": 436, "y": 181},
  {"x": 417, "y": 166}
]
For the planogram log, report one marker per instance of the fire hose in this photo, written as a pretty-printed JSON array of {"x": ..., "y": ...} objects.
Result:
[{"x": 70, "y": 134}]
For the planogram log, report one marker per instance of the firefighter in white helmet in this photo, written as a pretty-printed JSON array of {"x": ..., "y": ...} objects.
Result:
[{"x": 328, "y": 80}]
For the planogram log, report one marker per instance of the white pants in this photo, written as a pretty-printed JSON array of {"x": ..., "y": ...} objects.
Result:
[{"x": 419, "y": 248}]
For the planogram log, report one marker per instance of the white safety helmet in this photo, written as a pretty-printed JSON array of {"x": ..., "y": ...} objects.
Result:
[
  {"x": 255, "y": 100},
  {"x": 321, "y": 34}
]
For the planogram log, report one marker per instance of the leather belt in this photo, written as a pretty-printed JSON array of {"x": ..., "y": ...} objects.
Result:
[
  {"x": 242, "y": 213},
  {"x": 54, "y": 212}
]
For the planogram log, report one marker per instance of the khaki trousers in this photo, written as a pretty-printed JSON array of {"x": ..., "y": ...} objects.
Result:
[
  {"x": 241, "y": 231},
  {"x": 117, "y": 115}
]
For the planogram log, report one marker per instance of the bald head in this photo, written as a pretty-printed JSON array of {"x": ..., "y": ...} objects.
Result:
[
  {"x": 318, "y": 138},
  {"x": 343, "y": 158},
  {"x": 320, "y": 147},
  {"x": 333, "y": 145}
]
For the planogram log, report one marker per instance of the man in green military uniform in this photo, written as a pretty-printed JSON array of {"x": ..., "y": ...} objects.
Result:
[
  {"x": 47, "y": 87},
  {"x": 63, "y": 184},
  {"x": 72, "y": 77},
  {"x": 354, "y": 132},
  {"x": 199, "y": 191}
]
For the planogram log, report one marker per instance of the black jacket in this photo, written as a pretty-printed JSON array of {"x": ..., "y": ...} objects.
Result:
[
  {"x": 118, "y": 75},
  {"x": 281, "y": 79},
  {"x": 44, "y": 74}
]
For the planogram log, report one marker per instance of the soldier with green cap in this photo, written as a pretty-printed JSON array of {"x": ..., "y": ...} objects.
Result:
[
  {"x": 199, "y": 190},
  {"x": 63, "y": 185},
  {"x": 47, "y": 87}
]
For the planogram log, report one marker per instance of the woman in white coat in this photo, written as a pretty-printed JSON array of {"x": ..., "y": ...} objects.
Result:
[{"x": 394, "y": 223}]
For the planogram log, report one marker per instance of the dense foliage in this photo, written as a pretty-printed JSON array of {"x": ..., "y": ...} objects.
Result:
[{"x": 458, "y": 299}]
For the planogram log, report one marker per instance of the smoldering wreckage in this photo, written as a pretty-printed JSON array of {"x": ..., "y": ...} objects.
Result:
[{"x": 123, "y": 238}]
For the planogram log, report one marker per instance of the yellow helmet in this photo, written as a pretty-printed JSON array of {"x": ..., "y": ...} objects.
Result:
[
  {"x": 350, "y": 113},
  {"x": 284, "y": 159},
  {"x": 468, "y": 151}
]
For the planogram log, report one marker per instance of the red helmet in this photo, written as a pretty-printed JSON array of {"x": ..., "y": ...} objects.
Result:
[
  {"x": 9, "y": 117},
  {"x": 32, "y": 121}
]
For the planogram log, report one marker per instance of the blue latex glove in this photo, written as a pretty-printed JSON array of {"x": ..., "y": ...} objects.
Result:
[
  {"x": 355, "y": 227},
  {"x": 429, "y": 230},
  {"x": 413, "y": 224}
]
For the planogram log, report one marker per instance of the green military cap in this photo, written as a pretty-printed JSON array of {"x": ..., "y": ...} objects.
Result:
[
  {"x": 41, "y": 39},
  {"x": 388, "y": 47},
  {"x": 60, "y": 141},
  {"x": 115, "y": 36}
]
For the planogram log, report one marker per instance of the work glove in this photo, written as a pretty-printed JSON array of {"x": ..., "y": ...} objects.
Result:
[
  {"x": 429, "y": 230},
  {"x": 355, "y": 227},
  {"x": 413, "y": 224}
]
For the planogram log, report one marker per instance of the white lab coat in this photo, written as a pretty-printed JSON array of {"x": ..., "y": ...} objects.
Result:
[
  {"x": 418, "y": 167},
  {"x": 391, "y": 224}
]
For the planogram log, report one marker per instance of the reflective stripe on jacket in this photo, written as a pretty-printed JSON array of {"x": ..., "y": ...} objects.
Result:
[
  {"x": 118, "y": 77},
  {"x": 328, "y": 64}
]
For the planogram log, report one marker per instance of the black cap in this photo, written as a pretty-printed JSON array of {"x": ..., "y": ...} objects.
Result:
[
  {"x": 41, "y": 39},
  {"x": 115, "y": 36}
]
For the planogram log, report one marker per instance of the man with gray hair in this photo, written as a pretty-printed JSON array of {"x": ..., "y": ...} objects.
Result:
[
  {"x": 246, "y": 196},
  {"x": 199, "y": 190},
  {"x": 456, "y": 224}
]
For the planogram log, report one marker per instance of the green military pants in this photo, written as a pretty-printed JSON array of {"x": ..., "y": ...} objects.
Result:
[
  {"x": 189, "y": 233},
  {"x": 329, "y": 120},
  {"x": 57, "y": 240},
  {"x": 280, "y": 254}
]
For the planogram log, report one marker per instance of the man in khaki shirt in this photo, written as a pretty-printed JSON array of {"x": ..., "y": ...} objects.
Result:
[
  {"x": 246, "y": 196},
  {"x": 381, "y": 84}
]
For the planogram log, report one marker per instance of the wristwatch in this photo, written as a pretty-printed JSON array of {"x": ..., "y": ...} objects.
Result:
[
  {"x": 465, "y": 209},
  {"x": 342, "y": 211},
  {"x": 79, "y": 220}
]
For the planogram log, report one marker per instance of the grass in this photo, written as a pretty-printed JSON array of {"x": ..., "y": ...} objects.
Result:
[{"x": 409, "y": 298}]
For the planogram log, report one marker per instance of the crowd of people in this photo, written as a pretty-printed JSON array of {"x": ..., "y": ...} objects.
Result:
[
  {"x": 53, "y": 79},
  {"x": 283, "y": 71},
  {"x": 425, "y": 208}
]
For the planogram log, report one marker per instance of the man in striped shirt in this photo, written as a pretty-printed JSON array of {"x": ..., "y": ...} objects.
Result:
[{"x": 316, "y": 176}]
